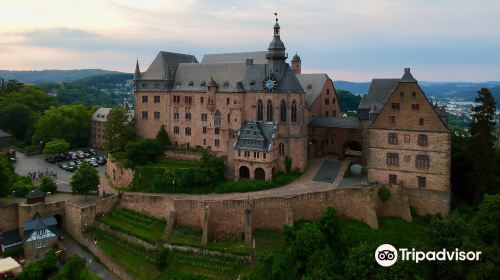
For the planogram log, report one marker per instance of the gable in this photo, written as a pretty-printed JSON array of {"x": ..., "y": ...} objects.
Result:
[{"x": 408, "y": 117}]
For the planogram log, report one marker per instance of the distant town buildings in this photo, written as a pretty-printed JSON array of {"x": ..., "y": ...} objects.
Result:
[{"x": 98, "y": 124}]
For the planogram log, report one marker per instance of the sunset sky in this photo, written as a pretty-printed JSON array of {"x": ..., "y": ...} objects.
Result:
[{"x": 355, "y": 40}]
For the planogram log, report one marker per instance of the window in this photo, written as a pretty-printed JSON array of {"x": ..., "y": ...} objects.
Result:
[
  {"x": 421, "y": 182},
  {"x": 395, "y": 106},
  {"x": 201, "y": 100},
  {"x": 227, "y": 101},
  {"x": 392, "y": 159},
  {"x": 187, "y": 131},
  {"x": 204, "y": 117},
  {"x": 144, "y": 99},
  {"x": 326, "y": 113},
  {"x": 156, "y": 115},
  {"x": 217, "y": 142},
  {"x": 282, "y": 149},
  {"x": 327, "y": 101},
  {"x": 294, "y": 111},
  {"x": 421, "y": 121},
  {"x": 254, "y": 154},
  {"x": 144, "y": 115},
  {"x": 393, "y": 179},
  {"x": 156, "y": 99},
  {"x": 415, "y": 107},
  {"x": 204, "y": 142},
  {"x": 217, "y": 130},
  {"x": 282, "y": 111},
  {"x": 414, "y": 94},
  {"x": 188, "y": 115},
  {"x": 157, "y": 85},
  {"x": 176, "y": 130},
  {"x": 144, "y": 85},
  {"x": 402, "y": 94},
  {"x": 205, "y": 130},
  {"x": 190, "y": 83},
  {"x": 393, "y": 138},
  {"x": 392, "y": 119},
  {"x": 177, "y": 99},
  {"x": 228, "y": 118},
  {"x": 333, "y": 100},
  {"x": 260, "y": 110},
  {"x": 217, "y": 119},
  {"x": 269, "y": 111},
  {"x": 188, "y": 99},
  {"x": 327, "y": 91},
  {"x": 334, "y": 113},
  {"x": 176, "y": 115},
  {"x": 422, "y": 140},
  {"x": 422, "y": 161}
]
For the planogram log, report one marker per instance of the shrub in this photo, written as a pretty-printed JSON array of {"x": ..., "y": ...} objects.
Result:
[
  {"x": 384, "y": 193},
  {"x": 48, "y": 185},
  {"x": 161, "y": 259},
  {"x": 141, "y": 152},
  {"x": 56, "y": 146},
  {"x": 288, "y": 164},
  {"x": 162, "y": 138}
]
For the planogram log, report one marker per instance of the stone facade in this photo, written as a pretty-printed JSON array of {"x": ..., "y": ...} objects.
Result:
[{"x": 32, "y": 252}]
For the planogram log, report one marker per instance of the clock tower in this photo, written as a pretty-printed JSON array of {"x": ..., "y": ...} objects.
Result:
[{"x": 276, "y": 55}]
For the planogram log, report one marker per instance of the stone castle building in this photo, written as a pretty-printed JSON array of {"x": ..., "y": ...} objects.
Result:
[
  {"x": 251, "y": 108},
  {"x": 255, "y": 109}
]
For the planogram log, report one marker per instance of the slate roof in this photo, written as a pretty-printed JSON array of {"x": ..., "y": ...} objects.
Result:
[
  {"x": 335, "y": 122},
  {"x": 380, "y": 90},
  {"x": 256, "y": 136},
  {"x": 230, "y": 77},
  {"x": 101, "y": 115},
  {"x": 258, "y": 57},
  {"x": 164, "y": 65},
  {"x": 36, "y": 193},
  {"x": 39, "y": 223},
  {"x": 4, "y": 134},
  {"x": 312, "y": 84},
  {"x": 10, "y": 238}
]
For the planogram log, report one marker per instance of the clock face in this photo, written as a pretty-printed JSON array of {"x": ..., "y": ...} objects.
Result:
[{"x": 270, "y": 83}]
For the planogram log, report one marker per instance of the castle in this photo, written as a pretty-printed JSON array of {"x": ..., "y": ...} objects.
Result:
[{"x": 255, "y": 109}]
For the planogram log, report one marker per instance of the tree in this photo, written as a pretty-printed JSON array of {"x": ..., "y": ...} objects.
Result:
[
  {"x": 85, "y": 180},
  {"x": 481, "y": 177},
  {"x": 118, "y": 130},
  {"x": 7, "y": 176},
  {"x": 68, "y": 122},
  {"x": 48, "y": 185},
  {"x": 56, "y": 146},
  {"x": 348, "y": 101},
  {"x": 22, "y": 186},
  {"x": 162, "y": 138},
  {"x": 141, "y": 152},
  {"x": 18, "y": 119}
]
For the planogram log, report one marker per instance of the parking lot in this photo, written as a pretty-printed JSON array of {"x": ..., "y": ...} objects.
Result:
[{"x": 36, "y": 163}]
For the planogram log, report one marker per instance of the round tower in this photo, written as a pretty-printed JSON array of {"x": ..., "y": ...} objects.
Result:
[
  {"x": 296, "y": 64},
  {"x": 276, "y": 55}
]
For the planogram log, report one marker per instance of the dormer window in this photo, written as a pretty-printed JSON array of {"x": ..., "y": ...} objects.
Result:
[
  {"x": 309, "y": 86},
  {"x": 226, "y": 84},
  {"x": 203, "y": 84},
  {"x": 190, "y": 83},
  {"x": 252, "y": 83},
  {"x": 178, "y": 84}
]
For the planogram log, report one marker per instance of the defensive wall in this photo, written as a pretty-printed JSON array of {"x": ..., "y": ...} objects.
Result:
[{"x": 224, "y": 217}]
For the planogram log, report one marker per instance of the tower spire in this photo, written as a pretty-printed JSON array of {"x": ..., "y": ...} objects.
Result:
[{"x": 137, "y": 74}]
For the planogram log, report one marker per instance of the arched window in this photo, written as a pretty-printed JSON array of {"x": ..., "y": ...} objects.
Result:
[
  {"x": 260, "y": 110},
  {"x": 283, "y": 111},
  {"x": 270, "y": 111},
  {"x": 217, "y": 119},
  {"x": 282, "y": 149},
  {"x": 294, "y": 111}
]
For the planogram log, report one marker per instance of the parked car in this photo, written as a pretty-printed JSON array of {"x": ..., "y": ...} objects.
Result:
[
  {"x": 80, "y": 156},
  {"x": 50, "y": 159},
  {"x": 60, "y": 157},
  {"x": 94, "y": 164}
]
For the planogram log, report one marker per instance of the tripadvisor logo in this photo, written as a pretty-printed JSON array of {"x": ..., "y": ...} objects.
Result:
[{"x": 387, "y": 255}]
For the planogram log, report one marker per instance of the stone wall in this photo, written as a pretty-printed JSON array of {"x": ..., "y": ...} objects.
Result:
[
  {"x": 429, "y": 201},
  {"x": 119, "y": 176},
  {"x": 8, "y": 217},
  {"x": 183, "y": 155},
  {"x": 228, "y": 217},
  {"x": 27, "y": 211}
]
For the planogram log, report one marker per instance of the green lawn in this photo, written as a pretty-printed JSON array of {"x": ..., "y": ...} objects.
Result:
[
  {"x": 267, "y": 240},
  {"x": 140, "y": 262},
  {"x": 142, "y": 226},
  {"x": 192, "y": 237}
]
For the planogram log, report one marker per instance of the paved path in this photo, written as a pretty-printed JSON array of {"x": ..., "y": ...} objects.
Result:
[
  {"x": 328, "y": 171},
  {"x": 74, "y": 249}
]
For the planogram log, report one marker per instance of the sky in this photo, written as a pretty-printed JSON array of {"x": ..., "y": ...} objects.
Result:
[{"x": 353, "y": 40}]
